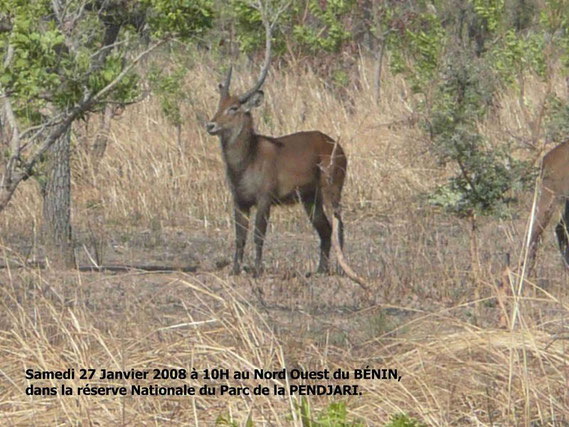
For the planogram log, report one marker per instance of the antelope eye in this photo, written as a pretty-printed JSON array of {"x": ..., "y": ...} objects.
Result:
[{"x": 232, "y": 110}]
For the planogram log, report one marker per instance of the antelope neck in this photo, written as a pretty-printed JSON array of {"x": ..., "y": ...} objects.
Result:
[{"x": 239, "y": 146}]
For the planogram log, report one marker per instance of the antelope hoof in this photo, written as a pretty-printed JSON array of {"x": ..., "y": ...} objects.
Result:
[
  {"x": 321, "y": 271},
  {"x": 257, "y": 272}
]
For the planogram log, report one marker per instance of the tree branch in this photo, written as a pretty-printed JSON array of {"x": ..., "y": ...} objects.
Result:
[
  {"x": 88, "y": 102},
  {"x": 5, "y": 26},
  {"x": 14, "y": 143}
]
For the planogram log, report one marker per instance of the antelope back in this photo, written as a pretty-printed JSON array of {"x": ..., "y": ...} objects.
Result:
[{"x": 554, "y": 169}]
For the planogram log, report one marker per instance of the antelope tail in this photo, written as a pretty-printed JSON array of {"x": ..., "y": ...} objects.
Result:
[{"x": 340, "y": 256}]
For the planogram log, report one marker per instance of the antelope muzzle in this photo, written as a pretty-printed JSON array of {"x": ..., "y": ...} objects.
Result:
[{"x": 212, "y": 128}]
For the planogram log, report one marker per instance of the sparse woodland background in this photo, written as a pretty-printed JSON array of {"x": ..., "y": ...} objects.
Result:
[{"x": 444, "y": 108}]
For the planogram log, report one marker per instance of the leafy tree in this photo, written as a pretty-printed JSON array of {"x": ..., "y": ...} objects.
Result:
[
  {"x": 554, "y": 18},
  {"x": 557, "y": 120},
  {"x": 63, "y": 59},
  {"x": 484, "y": 176},
  {"x": 328, "y": 33},
  {"x": 417, "y": 47},
  {"x": 315, "y": 26}
]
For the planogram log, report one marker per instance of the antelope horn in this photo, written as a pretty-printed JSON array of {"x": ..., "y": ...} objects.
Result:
[
  {"x": 224, "y": 87},
  {"x": 266, "y": 64}
]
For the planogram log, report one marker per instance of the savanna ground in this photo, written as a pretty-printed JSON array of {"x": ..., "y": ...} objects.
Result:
[{"x": 158, "y": 202}]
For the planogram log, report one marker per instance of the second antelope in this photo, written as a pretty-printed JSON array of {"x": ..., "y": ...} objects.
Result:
[
  {"x": 554, "y": 190},
  {"x": 306, "y": 167}
]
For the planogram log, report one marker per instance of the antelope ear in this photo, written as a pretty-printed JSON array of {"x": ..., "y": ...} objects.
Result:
[
  {"x": 254, "y": 101},
  {"x": 223, "y": 91}
]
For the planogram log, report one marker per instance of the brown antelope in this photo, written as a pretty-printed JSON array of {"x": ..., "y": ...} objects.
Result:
[
  {"x": 306, "y": 167},
  {"x": 554, "y": 189}
]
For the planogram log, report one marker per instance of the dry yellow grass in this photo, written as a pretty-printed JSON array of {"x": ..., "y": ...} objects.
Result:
[{"x": 154, "y": 201}]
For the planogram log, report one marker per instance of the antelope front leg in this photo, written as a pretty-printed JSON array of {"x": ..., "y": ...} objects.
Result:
[
  {"x": 241, "y": 225},
  {"x": 261, "y": 221}
]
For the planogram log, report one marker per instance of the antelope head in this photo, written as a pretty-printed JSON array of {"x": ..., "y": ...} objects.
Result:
[{"x": 234, "y": 111}]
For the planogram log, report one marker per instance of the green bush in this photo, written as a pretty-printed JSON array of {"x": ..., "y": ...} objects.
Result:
[
  {"x": 484, "y": 175},
  {"x": 557, "y": 120},
  {"x": 404, "y": 420},
  {"x": 334, "y": 415}
]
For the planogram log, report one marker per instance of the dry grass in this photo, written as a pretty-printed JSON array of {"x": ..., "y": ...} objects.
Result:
[{"x": 156, "y": 202}]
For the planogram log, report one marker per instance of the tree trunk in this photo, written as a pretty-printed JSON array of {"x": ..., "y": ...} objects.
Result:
[
  {"x": 5, "y": 197},
  {"x": 378, "y": 69},
  {"x": 102, "y": 138},
  {"x": 56, "y": 192},
  {"x": 474, "y": 250},
  {"x": 475, "y": 263}
]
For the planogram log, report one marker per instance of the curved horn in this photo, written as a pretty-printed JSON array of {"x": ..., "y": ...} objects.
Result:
[
  {"x": 224, "y": 87},
  {"x": 266, "y": 64}
]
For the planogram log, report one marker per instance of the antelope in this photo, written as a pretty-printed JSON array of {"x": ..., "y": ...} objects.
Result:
[
  {"x": 554, "y": 190},
  {"x": 263, "y": 171}
]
